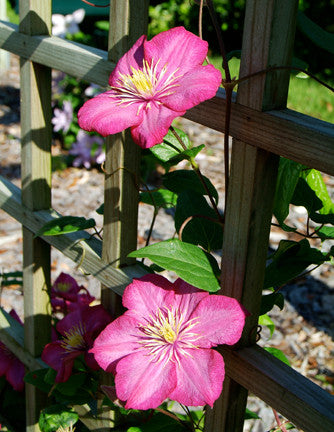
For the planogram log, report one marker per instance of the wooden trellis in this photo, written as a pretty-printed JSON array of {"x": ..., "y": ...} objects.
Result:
[{"x": 259, "y": 139}]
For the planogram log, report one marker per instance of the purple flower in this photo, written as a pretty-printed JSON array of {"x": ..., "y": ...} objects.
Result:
[
  {"x": 78, "y": 330},
  {"x": 161, "y": 347},
  {"x": 10, "y": 366},
  {"x": 65, "y": 294},
  {"x": 83, "y": 150},
  {"x": 153, "y": 83},
  {"x": 63, "y": 118}
]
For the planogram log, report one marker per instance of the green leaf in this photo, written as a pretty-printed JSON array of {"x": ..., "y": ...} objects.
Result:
[
  {"x": 37, "y": 378},
  {"x": 159, "y": 198},
  {"x": 270, "y": 300},
  {"x": 278, "y": 354},
  {"x": 56, "y": 416},
  {"x": 71, "y": 386},
  {"x": 316, "y": 34},
  {"x": 290, "y": 259},
  {"x": 171, "y": 148},
  {"x": 288, "y": 174},
  {"x": 250, "y": 415},
  {"x": 265, "y": 320},
  {"x": 306, "y": 197},
  {"x": 102, "y": 25},
  {"x": 189, "y": 262},
  {"x": 198, "y": 231},
  {"x": 100, "y": 210},
  {"x": 326, "y": 233},
  {"x": 159, "y": 423},
  {"x": 181, "y": 180},
  {"x": 65, "y": 225},
  {"x": 316, "y": 182}
]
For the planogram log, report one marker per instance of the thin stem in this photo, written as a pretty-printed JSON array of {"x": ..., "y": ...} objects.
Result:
[
  {"x": 175, "y": 417},
  {"x": 220, "y": 39},
  {"x": 200, "y": 20},
  {"x": 280, "y": 425},
  {"x": 228, "y": 91},
  {"x": 151, "y": 227},
  {"x": 272, "y": 68},
  {"x": 305, "y": 235},
  {"x": 94, "y": 5}
]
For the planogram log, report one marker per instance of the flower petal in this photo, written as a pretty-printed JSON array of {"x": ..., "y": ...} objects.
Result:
[
  {"x": 178, "y": 48},
  {"x": 185, "y": 300},
  {"x": 144, "y": 384},
  {"x": 118, "y": 339},
  {"x": 155, "y": 124},
  {"x": 5, "y": 359},
  {"x": 59, "y": 359},
  {"x": 198, "y": 85},
  {"x": 199, "y": 378},
  {"x": 106, "y": 115},
  {"x": 133, "y": 58},
  {"x": 221, "y": 320},
  {"x": 15, "y": 375},
  {"x": 146, "y": 295}
]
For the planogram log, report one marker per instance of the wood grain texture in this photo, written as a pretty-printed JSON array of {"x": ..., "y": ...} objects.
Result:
[
  {"x": 128, "y": 21},
  {"x": 35, "y": 86},
  {"x": 80, "y": 247},
  {"x": 252, "y": 186},
  {"x": 304, "y": 403}
]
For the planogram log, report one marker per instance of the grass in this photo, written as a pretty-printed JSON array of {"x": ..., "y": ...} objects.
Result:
[{"x": 305, "y": 95}]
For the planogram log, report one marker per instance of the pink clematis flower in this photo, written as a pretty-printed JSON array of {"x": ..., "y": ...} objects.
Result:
[
  {"x": 10, "y": 366},
  {"x": 153, "y": 83},
  {"x": 160, "y": 347},
  {"x": 78, "y": 329}
]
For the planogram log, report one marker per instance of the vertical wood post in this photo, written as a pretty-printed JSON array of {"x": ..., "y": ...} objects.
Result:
[
  {"x": 268, "y": 40},
  {"x": 128, "y": 21},
  {"x": 35, "y": 18},
  {"x": 4, "y": 55}
]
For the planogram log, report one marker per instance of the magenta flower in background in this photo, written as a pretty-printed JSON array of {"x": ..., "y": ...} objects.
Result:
[
  {"x": 78, "y": 330},
  {"x": 10, "y": 366},
  {"x": 160, "y": 347},
  {"x": 66, "y": 296},
  {"x": 84, "y": 150},
  {"x": 62, "y": 118},
  {"x": 152, "y": 84}
]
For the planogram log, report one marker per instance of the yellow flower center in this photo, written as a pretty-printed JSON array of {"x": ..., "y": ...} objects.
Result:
[
  {"x": 63, "y": 287},
  {"x": 167, "y": 335},
  {"x": 145, "y": 84},
  {"x": 73, "y": 339}
]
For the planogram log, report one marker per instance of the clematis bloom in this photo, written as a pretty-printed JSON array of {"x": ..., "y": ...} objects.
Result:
[
  {"x": 10, "y": 366},
  {"x": 78, "y": 329},
  {"x": 66, "y": 296},
  {"x": 161, "y": 346},
  {"x": 153, "y": 83}
]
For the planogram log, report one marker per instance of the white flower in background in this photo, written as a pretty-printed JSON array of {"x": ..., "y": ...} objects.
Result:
[
  {"x": 63, "y": 118},
  {"x": 62, "y": 24}
]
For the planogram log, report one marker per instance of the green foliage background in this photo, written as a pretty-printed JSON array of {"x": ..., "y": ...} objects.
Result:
[{"x": 167, "y": 14}]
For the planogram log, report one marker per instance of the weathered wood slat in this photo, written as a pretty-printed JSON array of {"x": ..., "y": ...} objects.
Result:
[
  {"x": 304, "y": 403},
  {"x": 80, "y": 247},
  {"x": 285, "y": 132},
  {"x": 12, "y": 335}
]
